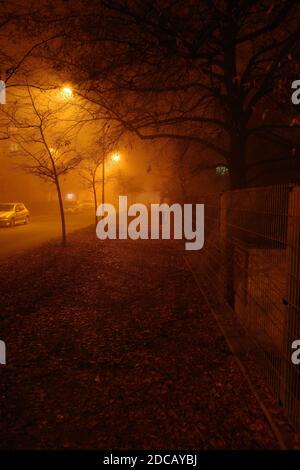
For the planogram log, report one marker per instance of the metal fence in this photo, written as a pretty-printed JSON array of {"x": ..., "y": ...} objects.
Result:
[{"x": 251, "y": 262}]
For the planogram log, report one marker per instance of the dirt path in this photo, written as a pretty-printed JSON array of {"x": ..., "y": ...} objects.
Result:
[{"x": 110, "y": 345}]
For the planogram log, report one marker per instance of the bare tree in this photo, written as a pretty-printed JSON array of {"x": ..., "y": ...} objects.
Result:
[
  {"x": 89, "y": 173},
  {"x": 213, "y": 72},
  {"x": 198, "y": 71},
  {"x": 44, "y": 140},
  {"x": 181, "y": 170},
  {"x": 95, "y": 160}
]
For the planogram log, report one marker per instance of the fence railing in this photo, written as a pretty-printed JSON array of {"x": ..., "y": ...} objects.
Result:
[{"x": 251, "y": 262}]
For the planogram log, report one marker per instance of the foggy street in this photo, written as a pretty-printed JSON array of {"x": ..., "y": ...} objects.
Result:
[
  {"x": 42, "y": 228},
  {"x": 149, "y": 232}
]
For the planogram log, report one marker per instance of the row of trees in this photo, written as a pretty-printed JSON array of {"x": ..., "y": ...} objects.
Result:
[
  {"x": 44, "y": 124},
  {"x": 216, "y": 73},
  {"x": 213, "y": 72}
]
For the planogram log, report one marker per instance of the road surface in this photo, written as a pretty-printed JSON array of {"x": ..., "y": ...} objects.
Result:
[{"x": 41, "y": 229}]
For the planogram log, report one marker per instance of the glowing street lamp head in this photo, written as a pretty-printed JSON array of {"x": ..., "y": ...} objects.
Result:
[
  {"x": 116, "y": 157},
  {"x": 67, "y": 92},
  {"x": 70, "y": 196}
]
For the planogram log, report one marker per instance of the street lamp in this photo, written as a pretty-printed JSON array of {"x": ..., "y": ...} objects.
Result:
[
  {"x": 116, "y": 157},
  {"x": 67, "y": 92}
]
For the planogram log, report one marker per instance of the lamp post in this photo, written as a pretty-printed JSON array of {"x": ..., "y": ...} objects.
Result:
[{"x": 115, "y": 158}]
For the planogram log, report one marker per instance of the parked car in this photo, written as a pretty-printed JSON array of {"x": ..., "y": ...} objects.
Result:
[{"x": 12, "y": 213}]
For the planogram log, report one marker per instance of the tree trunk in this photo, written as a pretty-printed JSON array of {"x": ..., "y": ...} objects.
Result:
[
  {"x": 62, "y": 213},
  {"x": 237, "y": 170},
  {"x": 238, "y": 180},
  {"x": 95, "y": 202}
]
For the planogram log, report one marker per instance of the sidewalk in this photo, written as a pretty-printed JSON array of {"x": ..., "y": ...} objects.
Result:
[{"x": 110, "y": 346}]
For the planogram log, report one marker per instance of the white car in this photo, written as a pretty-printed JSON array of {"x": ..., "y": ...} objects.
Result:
[{"x": 12, "y": 213}]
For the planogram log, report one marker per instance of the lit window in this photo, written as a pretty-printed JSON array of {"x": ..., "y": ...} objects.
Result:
[{"x": 222, "y": 170}]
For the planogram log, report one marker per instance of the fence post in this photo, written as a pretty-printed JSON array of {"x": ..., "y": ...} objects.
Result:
[
  {"x": 227, "y": 249},
  {"x": 290, "y": 387}
]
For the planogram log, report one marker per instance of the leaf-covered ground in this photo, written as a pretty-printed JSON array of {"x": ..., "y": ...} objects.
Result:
[{"x": 110, "y": 346}]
